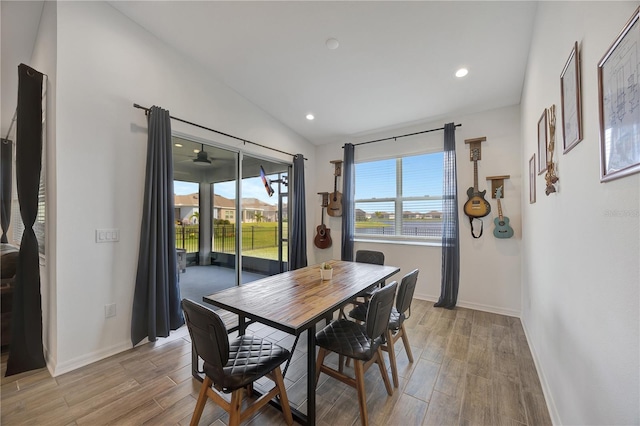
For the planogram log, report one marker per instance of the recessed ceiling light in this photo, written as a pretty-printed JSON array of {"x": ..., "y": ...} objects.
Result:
[
  {"x": 462, "y": 72},
  {"x": 310, "y": 117},
  {"x": 178, "y": 145},
  {"x": 332, "y": 43}
]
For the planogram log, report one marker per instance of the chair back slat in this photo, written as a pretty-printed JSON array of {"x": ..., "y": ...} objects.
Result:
[
  {"x": 370, "y": 256},
  {"x": 405, "y": 291},
  {"x": 379, "y": 310},
  {"x": 208, "y": 333}
]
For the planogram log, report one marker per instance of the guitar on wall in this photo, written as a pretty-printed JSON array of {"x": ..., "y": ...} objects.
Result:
[
  {"x": 335, "y": 199},
  {"x": 502, "y": 229},
  {"x": 323, "y": 236},
  {"x": 476, "y": 206}
]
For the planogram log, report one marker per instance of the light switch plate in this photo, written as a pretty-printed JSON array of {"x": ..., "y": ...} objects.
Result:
[{"x": 110, "y": 235}]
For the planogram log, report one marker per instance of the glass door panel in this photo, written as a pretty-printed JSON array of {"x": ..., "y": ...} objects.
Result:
[
  {"x": 263, "y": 187},
  {"x": 205, "y": 187}
]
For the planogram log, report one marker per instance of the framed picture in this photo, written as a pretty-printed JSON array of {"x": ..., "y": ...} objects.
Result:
[
  {"x": 570, "y": 101},
  {"x": 619, "y": 102},
  {"x": 542, "y": 142},
  {"x": 532, "y": 179}
]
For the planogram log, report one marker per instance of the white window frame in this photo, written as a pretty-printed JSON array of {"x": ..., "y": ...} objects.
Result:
[{"x": 398, "y": 200}]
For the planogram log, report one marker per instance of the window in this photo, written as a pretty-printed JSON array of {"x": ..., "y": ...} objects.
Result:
[
  {"x": 400, "y": 198},
  {"x": 39, "y": 224}
]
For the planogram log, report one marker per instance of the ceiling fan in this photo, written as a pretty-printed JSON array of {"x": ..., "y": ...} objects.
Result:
[{"x": 202, "y": 159}]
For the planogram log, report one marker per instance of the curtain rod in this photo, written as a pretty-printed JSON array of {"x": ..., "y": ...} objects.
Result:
[
  {"x": 403, "y": 136},
  {"x": 146, "y": 111}
]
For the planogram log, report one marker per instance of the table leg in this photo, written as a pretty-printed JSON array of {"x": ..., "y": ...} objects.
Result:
[
  {"x": 242, "y": 327},
  {"x": 311, "y": 376}
]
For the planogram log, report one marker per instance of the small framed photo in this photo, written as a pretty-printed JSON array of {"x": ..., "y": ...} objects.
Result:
[
  {"x": 542, "y": 143},
  {"x": 570, "y": 100},
  {"x": 532, "y": 179},
  {"x": 619, "y": 104}
]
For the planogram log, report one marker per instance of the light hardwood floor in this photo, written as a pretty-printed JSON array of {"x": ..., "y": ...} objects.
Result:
[{"x": 470, "y": 368}]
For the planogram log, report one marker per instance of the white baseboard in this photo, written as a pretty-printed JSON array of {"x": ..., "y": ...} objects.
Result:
[
  {"x": 548, "y": 397},
  {"x": 49, "y": 359},
  {"x": 471, "y": 305},
  {"x": 81, "y": 361}
]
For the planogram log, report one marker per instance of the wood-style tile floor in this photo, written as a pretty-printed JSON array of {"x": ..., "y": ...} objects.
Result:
[{"x": 470, "y": 368}]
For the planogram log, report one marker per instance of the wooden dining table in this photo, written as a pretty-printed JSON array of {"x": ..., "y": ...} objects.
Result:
[{"x": 295, "y": 301}]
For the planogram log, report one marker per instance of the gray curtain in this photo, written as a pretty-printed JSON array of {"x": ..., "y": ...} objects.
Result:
[
  {"x": 156, "y": 301},
  {"x": 450, "y": 227},
  {"x": 298, "y": 244},
  {"x": 26, "y": 350},
  {"x": 6, "y": 159},
  {"x": 348, "y": 206}
]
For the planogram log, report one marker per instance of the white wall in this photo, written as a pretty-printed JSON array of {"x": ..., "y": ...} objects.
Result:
[
  {"x": 489, "y": 267},
  {"x": 106, "y": 63},
  {"x": 581, "y": 252}
]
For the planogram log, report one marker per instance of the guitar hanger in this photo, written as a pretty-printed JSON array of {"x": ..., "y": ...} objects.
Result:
[
  {"x": 497, "y": 182},
  {"x": 474, "y": 144},
  {"x": 335, "y": 198}
]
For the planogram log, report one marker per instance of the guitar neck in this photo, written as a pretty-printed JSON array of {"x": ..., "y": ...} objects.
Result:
[
  {"x": 475, "y": 175},
  {"x": 499, "y": 209}
]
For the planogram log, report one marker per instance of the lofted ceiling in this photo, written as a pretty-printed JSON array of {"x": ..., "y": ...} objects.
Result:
[{"x": 394, "y": 65}]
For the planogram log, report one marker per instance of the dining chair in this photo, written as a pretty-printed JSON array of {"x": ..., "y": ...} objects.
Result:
[
  {"x": 399, "y": 314},
  {"x": 232, "y": 365},
  {"x": 374, "y": 258},
  {"x": 359, "y": 342}
]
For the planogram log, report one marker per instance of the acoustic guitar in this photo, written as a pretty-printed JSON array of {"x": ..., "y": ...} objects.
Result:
[
  {"x": 502, "y": 229},
  {"x": 476, "y": 206},
  {"x": 335, "y": 198},
  {"x": 323, "y": 235}
]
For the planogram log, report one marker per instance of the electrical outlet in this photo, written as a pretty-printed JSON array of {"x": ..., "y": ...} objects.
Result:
[{"x": 110, "y": 310}]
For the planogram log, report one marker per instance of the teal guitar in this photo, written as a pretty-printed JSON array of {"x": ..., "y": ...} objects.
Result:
[{"x": 502, "y": 229}]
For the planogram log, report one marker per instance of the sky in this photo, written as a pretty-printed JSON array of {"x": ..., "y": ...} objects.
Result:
[{"x": 251, "y": 188}]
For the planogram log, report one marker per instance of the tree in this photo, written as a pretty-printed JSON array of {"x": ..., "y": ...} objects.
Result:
[
  {"x": 259, "y": 216},
  {"x": 195, "y": 215},
  {"x": 378, "y": 215}
]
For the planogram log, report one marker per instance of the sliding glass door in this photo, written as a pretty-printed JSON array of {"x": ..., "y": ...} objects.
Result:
[{"x": 218, "y": 216}]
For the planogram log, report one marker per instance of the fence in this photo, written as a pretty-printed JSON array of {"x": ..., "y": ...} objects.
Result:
[
  {"x": 224, "y": 237},
  {"x": 253, "y": 237},
  {"x": 187, "y": 237},
  {"x": 432, "y": 230}
]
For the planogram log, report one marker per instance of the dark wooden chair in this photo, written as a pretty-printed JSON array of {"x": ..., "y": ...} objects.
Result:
[
  {"x": 232, "y": 365},
  {"x": 374, "y": 258},
  {"x": 399, "y": 314},
  {"x": 360, "y": 342}
]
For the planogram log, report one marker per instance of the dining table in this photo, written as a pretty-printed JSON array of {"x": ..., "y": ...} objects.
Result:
[{"x": 295, "y": 301}]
